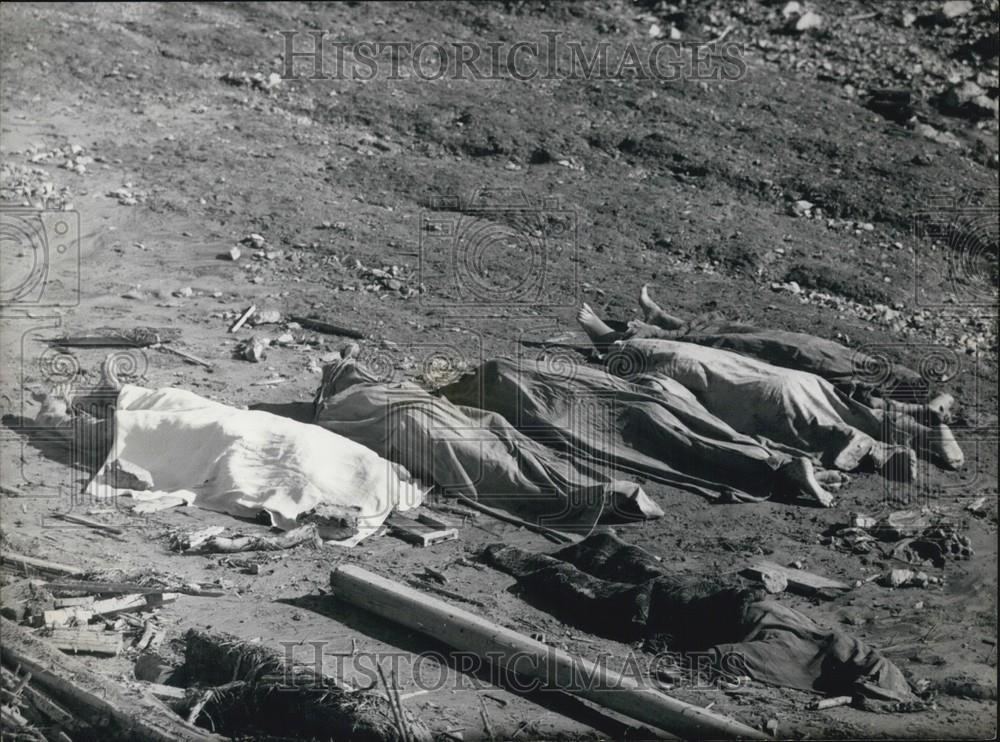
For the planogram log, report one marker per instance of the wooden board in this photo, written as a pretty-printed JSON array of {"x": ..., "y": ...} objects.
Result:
[
  {"x": 419, "y": 533},
  {"x": 799, "y": 581}
]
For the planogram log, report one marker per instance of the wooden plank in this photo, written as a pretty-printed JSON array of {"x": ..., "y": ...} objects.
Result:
[
  {"x": 243, "y": 318},
  {"x": 553, "y": 667},
  {"x": 415, "y": 532},
  {"x": 84, "y": 601},
  {"x": 120, "y": 588},
  {"x": 112, "y": 606},
  {"x": 800, "y": 581},
  {"x": 311, "y": 323},
  {"x": 87, "y": 639},
  {"x": 62, "y": 616},
  {"x": 26, "y": 563},
  {"x": 95, "y": 524},
  {"x": 98, "y": 697}
]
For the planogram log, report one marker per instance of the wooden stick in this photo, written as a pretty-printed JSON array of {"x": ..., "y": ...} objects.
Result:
[
  {"x": 121, "y": 588},
  {"x": 40, "y": 565},
  {"x": 183, "y": 354},
  {"x": 553, "y": 667},
  {"x": 80, "y": 520},
  {"x": 243, "y": 318},
  {"x": 327, "y": 327},
  {"x": 558, "y": 536}
]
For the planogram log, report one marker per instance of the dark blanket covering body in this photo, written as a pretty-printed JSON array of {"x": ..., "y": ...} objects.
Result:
[
  {"x": 611, "y": 588},
  {"x": 858, "y": 372},
  {"x": 663, "y": 433},
  {"x": 472, "y": 452}
]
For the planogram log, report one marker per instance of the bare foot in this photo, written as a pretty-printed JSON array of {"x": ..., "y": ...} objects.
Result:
[
  {"x": 942, "y": 406},
  {"x": 802, "y": 475},
  {"x": 594, "y": 326},
  {"x": 649, "y": 307},
  {"x": 945, "y": 449},
  {"x": 832, "y": 479}
]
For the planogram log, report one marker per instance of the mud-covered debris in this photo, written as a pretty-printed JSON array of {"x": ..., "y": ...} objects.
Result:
[{"x": 253, "y": 350}]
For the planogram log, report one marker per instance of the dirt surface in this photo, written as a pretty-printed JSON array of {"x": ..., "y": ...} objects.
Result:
[{"x": 690, "y": 185}]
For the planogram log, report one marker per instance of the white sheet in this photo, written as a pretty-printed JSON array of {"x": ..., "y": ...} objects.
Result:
[{"x": 243, "y": 461}]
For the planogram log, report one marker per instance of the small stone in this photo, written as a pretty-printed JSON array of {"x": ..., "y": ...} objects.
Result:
[
  {"x": 285, "y": 338},
  {"x": 808, "y": 21},
  {"x": 774, "y": 582},
  {"x": 267, "y": 317},
  {"x": 801, "y": 208},
  {"x": 792, "y": 8},
  {"x": 253, "y": 350},
  {"x": 955, "y": 9},
  {"x": 185, "y": 293},
  {"x": 255, "y": 241},
  {"x": 234, "y": 253}
]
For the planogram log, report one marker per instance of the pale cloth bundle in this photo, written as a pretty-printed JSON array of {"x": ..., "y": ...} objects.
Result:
[{"x": 242, "y": 462}]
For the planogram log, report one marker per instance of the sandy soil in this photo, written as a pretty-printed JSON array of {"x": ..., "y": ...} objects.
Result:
[{"x": 688, "y": 185}]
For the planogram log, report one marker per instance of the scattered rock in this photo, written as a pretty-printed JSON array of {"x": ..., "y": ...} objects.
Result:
[
  {"x": 253, "y": 349},
  {"x": 234, "y": 253}
]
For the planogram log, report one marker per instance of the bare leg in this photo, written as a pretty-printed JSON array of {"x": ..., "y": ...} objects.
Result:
[
  {"x": 938, "y": 410},
  {"x": 655, "y": 315},
  {"x": 599, "y": 333},
  {"x": 935, "y": 441},
  {"x": 801, "y": 474}
]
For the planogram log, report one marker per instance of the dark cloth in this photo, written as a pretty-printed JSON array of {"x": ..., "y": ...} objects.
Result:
[
  {"x": 661, "y": 433},
  {"x": 607, "y": 586},
  {"x": 472, "y": 452}
]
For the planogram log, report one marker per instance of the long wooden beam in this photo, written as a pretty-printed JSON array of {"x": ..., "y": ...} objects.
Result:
[{"x": 513, "y": 651}]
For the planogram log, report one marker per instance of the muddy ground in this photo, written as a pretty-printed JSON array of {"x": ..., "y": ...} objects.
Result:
[{"x": 688, "y": 184}]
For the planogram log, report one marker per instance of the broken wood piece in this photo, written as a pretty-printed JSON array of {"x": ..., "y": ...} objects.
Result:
[
  {"x": 554, "y": 667},
  {"x": 97, "y": 341},
  {"x": 112, "y": 606},
  {"x": 550, "y": 533},
  {"x": 80, "y": 520},
  {"x": 308, "y": 533},
  {"x": 454, "y": 510},
  {"x": 418, "y": 533},
  {"x": 87, "y": 639},
  {"x": 26, "y": 563},
  {"x": 163, "y": 692},
  {"x": 183, "y": 354},
  {"x": 329, "y": 328},
  {"x": 84, "y": 601},
  {"x": 79, "y": 615},
  {"x": 97, "y": 698},
  {"x": 829, "y": 703},
  {"x": 243, "y": 318},
  {"x": 799, "y": 581},
  {"x": 122, "y": 588}
]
